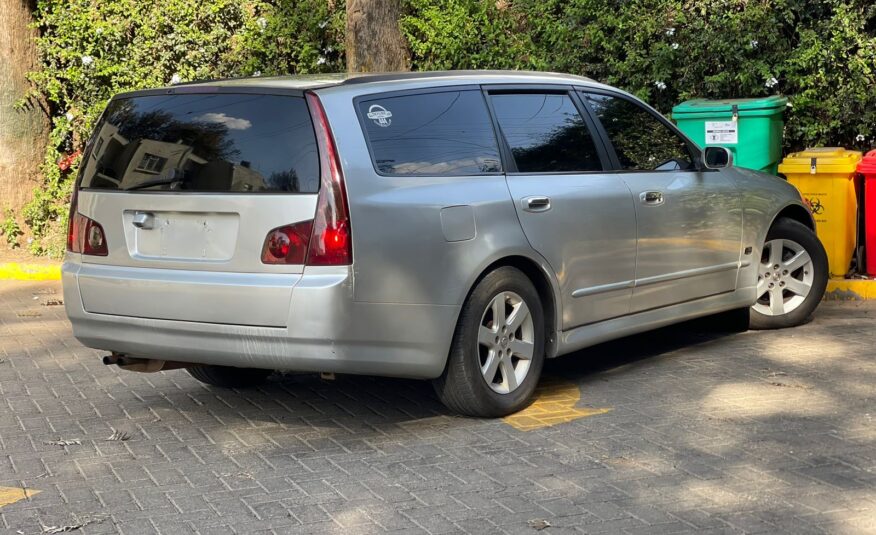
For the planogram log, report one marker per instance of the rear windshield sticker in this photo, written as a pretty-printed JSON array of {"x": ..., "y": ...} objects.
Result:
[{"x": 380, "y": 115}]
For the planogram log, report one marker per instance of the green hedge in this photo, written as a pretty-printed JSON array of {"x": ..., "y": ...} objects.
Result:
[{"x": 819, "y": 53}]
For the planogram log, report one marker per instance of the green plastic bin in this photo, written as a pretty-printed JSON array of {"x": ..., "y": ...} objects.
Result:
[{"x": 751, "y": 128}]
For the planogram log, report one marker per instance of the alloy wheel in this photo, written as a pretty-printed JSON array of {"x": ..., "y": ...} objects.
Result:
[
  {"x": 506, "y": 342},
  {"x": 784, "y": 279}
]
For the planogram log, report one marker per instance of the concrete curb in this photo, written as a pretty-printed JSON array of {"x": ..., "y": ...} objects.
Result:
[
  {"x": 850, "y": 290},
  {"x": 30, "y": 272}
]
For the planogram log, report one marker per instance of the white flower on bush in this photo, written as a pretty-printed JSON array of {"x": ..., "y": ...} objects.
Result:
[
  {"x": 175, "y": 79},
  {"x": 753, "y": 43},
  {"x": 772, "y": 82},
  {"x": 69, "y": 115},
  {"x": 674, "y": 46},
  {"x": 670, "y": 32},
  {"x": 660, "y": 85},
  {"x": 262, "y": 23},
  {"x": 320, "y": 61},
  {"x": 860, "y": 138},
  {"x": 99, "y": 31},
  {"x": 86, "y": 60}
]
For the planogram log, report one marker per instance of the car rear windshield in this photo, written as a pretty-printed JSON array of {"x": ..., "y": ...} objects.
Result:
[{"x": 239, "y": 143}]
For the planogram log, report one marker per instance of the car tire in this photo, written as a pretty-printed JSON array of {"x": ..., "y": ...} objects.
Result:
[
  {"x": 792, "y": 276},
  {"x": 229, "y": 377},
  {"x": 497, "y": 351}
]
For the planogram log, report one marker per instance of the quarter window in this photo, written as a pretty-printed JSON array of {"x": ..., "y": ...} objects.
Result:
[
  {"x": 447, "y": 133},
  {"x": 641, "y": 141},
  {"x": 545, "y": 133}
]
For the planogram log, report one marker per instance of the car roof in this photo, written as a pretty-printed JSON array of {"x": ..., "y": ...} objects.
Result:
[{"x": 407, "y": 79}]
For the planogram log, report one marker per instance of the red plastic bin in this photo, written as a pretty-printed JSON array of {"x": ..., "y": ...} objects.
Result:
[{"x": 867, "y": 168}]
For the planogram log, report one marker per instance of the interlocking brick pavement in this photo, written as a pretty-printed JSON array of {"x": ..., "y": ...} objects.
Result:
[{"x": 707, "y": 433}]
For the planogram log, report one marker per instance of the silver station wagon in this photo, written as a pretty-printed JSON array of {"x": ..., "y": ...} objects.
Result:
[{"x": 454, "y": 226}]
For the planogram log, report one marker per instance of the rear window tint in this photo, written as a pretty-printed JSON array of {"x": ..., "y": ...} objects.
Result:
[
  {"x": 546, "y": 133},
  {"x": 241, "y": 143},
  {"x": 446, "y": 133}
]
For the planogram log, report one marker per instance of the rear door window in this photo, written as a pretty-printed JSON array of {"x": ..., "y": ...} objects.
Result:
[
  {"x": 545, "y": 133},
  {"x": 236, "y": 143},
  {"x": 641, "y": 141},
  {"x": 446, "y": 133}
]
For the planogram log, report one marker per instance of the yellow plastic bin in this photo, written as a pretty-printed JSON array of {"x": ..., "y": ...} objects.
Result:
[{"x": 826, "y": 179}]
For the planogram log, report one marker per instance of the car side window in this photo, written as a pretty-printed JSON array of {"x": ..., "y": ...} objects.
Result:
[
  {"x": 641, "y": 141},
  {"x": 545, "y": 132},
  {"x": 446, "y": 133}
]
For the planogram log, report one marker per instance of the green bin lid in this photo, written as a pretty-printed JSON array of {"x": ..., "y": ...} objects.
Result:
[{"x": 706, "y": 106}]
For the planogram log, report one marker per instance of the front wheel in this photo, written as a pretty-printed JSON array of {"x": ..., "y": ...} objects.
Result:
[
  {"x": 498, "y": 348},
  {"x": 792, "y": 276}
]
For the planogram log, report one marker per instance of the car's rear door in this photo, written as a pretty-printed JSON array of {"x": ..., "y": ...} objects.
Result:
[
  {"x": 580, "y": 218},
  {"x": 186, "y": 187},
  {"x": 689, "y": 218}
]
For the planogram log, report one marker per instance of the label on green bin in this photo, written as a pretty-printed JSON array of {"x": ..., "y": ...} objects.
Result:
[{"x": 719, "y": 132}]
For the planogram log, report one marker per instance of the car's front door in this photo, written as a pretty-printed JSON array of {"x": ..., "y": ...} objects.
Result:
[
  {"x": 578, "y": 217},
  {"x": 689, "y": 219}
]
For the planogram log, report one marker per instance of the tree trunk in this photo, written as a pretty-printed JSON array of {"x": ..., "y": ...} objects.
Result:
[
  {"x": 23, "y": 132},
  {"x": 374, "y": 41}
]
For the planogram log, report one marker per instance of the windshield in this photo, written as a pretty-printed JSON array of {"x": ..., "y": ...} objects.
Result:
[{"x": 204, "y": 143}]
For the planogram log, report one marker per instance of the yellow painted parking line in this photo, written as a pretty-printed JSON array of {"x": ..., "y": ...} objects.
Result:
[
  {"x": 850, "y": 289},
  {"x": 30, "y": 272},
  {"x": 10, "y": 495},
  {"x": 554, "y": 404}
]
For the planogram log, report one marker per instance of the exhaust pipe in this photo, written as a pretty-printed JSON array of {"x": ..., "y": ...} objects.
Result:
[{"x": 135, "y": 364}]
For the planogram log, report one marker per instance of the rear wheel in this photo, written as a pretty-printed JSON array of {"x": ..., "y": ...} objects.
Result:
[
  {"x": 792, "y": 276},
  {"x": 498, "y": 348},
  {"x": 228, "y": 377}
]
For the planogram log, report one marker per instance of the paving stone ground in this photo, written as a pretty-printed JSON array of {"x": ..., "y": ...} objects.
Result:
[{"x": 707, "y": 433}]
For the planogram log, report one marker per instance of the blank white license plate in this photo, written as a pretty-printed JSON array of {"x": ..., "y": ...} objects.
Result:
[{"x": 187, "y": 236}]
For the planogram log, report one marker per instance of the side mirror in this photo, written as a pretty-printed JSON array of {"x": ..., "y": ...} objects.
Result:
[{"x": 717, "y": 158}]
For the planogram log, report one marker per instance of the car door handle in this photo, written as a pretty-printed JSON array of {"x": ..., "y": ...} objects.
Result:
[
  {"x": 651, "y": 198},
  {"x": 537, "y": 204},
  {"x": 143, "y": 220}
]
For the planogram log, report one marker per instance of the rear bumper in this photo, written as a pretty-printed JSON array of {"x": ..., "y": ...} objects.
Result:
[{"x": 327, "y": 332}]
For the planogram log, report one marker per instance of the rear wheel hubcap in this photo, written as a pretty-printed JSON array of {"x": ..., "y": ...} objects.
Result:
[
  {"x": 784, "y": 279},
  {"x": 506, "y": 342}
]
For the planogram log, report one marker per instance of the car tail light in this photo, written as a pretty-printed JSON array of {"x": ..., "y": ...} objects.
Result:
[
  {"x": 331, "y": 243},
  {"x": 287, "y": 245},
  {"x": 86, "y": 236},
  {"x": 324, "y": 240}
]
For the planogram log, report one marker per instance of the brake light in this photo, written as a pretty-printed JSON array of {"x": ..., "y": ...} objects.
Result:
[
  {"x": 287, "y": 245},
  {"x": 324, "y": 240},
  {"x": 331, "y": 243},
  {"x": 86, "y": 236}
]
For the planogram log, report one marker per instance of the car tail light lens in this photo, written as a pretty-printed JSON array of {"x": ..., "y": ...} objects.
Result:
[
  {"x": 331, "y": 243},
  {"x": 287, "y": 245},
  {"x": 86, "y": 236},
  {"x": 325, "y": 240}
]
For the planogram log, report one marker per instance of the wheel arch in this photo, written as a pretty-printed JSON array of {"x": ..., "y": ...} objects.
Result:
[
  {"x": 796, "y": 212},
  {"x": 540, "y": 277}
]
